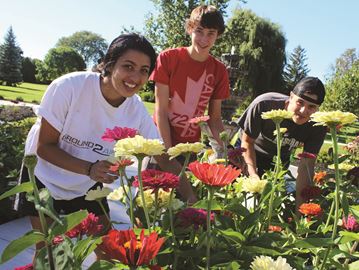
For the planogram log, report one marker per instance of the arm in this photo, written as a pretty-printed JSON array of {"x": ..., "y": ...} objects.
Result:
[
  {"x": 161, "y": 110},
  {"x": 304, "y": 178},
  {"x": 249, "y": 155},
  {"x": 215, "y": 120},
  {"x": 48, "y": 150},
  {"x": 173, "y": 166}
]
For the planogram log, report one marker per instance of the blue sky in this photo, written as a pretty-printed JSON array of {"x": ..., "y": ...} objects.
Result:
[{"x": 325, "y": 28}]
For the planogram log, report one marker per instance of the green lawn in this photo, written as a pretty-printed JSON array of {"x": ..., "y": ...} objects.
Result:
[{"x": 31, "y": 92}]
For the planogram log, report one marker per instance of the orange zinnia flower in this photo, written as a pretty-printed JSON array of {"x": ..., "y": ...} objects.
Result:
[
  {"x": 121, "y": 164},
  {"x": 319, "y": 177},
  {"x": 273, "y": 228},
  {"x": 125, "y": 247},
  {"x": 214, "y": 174},
  {"x": 310, "y": 209}
]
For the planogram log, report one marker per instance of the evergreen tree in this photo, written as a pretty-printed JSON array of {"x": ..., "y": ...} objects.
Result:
[
  {"x": 296, "y": 69},
  {"x": 28, "y": 70},
  {"x": 10, "y": 60}
]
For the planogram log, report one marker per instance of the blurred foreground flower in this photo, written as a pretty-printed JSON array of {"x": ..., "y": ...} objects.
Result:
[
  {"x": 183, "y": 148},
  {"x": 163, "y": 200},
  {"x": 253, "y": 184},
  {"x": 214, "y": 174},
  {"x": 125, "y": 247},
  {"x": 350, "y": 223},
  {"x": 306, "y": 155},
  {"x": 311, "y": 192},
  {"x": 118, "y": 133},
  {"x": 267, "y": 263},
  {"x": 333, "y": 118},
  {"x": 310, "y": 209},
  {"x": 273, "y": 228},
  {"x": 155, "y": 179},
  {"x": 121, "y": 164},
  {"x": 97, "y": 194},
  {"x": 319, "y": 177},
  {"x": 277, "y": 115},
  {"x": 193, "y": 216},
  {"x": 138, "y": 146},
  {"x": 25, "y": 267}
]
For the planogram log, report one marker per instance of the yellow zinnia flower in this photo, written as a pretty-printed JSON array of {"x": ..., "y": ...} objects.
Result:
[
  {"x": 254, "y": 184},
  {"x": 277, "y": 115},
  {"x": 138, "y": 146},
  {"x": 183, "y": 148},
  {"x": 333, "y": 118},
  {"x": 342, "y": 166},
  {"x": 118, "y": 194},
  {"x": 163, "y": 200},
  {"x": 281, "y": 130},
  {"x": 97, "y": 194}
]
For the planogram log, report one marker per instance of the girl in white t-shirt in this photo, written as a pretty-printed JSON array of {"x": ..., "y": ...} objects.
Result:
[{"x": 75, "y": 111}]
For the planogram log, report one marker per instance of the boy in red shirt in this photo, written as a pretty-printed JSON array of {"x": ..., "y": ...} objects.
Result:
[{"x": 188, "y": 79}]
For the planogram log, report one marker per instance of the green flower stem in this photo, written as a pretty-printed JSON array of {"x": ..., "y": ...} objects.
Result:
[
  {"x": 130, "y": 198},
  {"x": 140, "y": 159},
  {"x": 185, "y": 163},
  {"x": 171, "y": 218},
  {"x": 351, "y": 251},
  {"x": 42, "y": 218},
  {"x": 329, "y": 215},
  {"x": 208, "y": 250},
  {"x": 104, "y": 211},
  {"x": 333, "y": 132},
  {"x": 277, "y": 166},
  {"x": 156, "y": 209}
]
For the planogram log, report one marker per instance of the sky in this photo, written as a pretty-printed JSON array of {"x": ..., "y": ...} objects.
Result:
[{"x": 325, "y": 28}]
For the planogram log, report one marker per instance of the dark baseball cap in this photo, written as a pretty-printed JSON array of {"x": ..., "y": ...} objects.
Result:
[{"x": 310, "y": 86}]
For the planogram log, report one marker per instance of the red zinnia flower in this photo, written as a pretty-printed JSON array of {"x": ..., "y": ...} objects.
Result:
[
  {"x": 118, "y": 133},
  {"x": 125, "y": 247},
  {"x": 214, "y": 174},
  {"x": 89, "y": 226},
  {"x": 199, "y": 119},
  {"x": 350, "y": 223},
  {"x": 319, "y": 177},
  {"x": 25, "y": 267},
  {"x": 306, "y": 155},
  {"x": 193, "y": 216},
  {"x": 155, "y": 179},
  {"x": 273, "y": 228},
  {"x": 310, "y": 209},
  {"x": 310, "y": 192},
  {"x": 121, "y": 164}
]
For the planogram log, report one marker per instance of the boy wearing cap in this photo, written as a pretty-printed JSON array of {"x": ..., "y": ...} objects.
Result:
[{"x": 257, "y": 134}]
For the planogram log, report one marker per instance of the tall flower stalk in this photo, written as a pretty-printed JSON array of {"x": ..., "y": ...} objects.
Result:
[
  {"x": 145, "y": 210},
  {"x": 30, "y": 163},
  {"x": 208, "y": 249},
  {"x": 277, "y": 116}
]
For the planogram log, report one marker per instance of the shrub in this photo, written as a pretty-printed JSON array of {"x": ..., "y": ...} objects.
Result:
[
  {"x": 19, "y": 99},
  {"x": 147, "y": 96},
  {"x": 12, "y": 139}
]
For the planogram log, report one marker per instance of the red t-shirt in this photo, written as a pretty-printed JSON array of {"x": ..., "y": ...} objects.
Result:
[{"x": 192, "y": 84}]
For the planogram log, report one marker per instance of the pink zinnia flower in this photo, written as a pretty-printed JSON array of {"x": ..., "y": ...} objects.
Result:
[
  {"x": 118, "y": 133},
  {"x": 199, "y": 119},
  {"x": 214, "y": 174},
  {"x": 350, "y": 223},
  {"x": 155, "y": 179},
  {"x": 25, "y": 267},
  {"x": 193, "y": 216},
  {"x": 89, "y": 226},
  {"x": 306, "y": 155},
  {"x": 310, "y": 192},
  {"x": 121, "y": 164}
]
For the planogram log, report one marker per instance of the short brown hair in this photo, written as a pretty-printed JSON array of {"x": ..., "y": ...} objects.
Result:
[{"x": 207, "y": 17}]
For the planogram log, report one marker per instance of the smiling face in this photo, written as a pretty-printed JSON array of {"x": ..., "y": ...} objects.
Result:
[
  {"x": 203, "y": 40},
  {"x": 301, "y": 108},
  {"x": 126, "y": 77}
]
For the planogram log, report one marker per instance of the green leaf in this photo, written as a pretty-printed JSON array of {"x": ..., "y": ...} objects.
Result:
[
  {"x": 355, "y": 210},
  {"x": 313, "y": 243},
  {"x": 345, "y": 204},
  {"x": 24, "y": 187},
  {"x": 351, "y": 235},
  {"x": 354, "y": 265},
  {"x": 69, "y": 222},
  {"x": 83, "y": 248},
  {"x": 20, "y": 244},
  {"x": 236, "y": 207},
  {"x": 103, "y": 265},
  {"x": 233, "y": 266},
  {"x": 249, "y": 221},
  {"x": 203, "y": 205},
  {"x": 233, "y": 236},
  {"x": 263, "y": 251}
]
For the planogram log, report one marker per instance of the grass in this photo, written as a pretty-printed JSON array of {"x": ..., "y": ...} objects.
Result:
[{"x": 30, "y": 92}]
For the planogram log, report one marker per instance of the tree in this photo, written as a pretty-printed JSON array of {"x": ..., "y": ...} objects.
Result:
[
  {"x": 10, "y": 60},
  {"x": 296, "y": 69},
  {"x": 342, "y": 90},
  {"x": 28, "y": 70},
  {"x": 165, "y": 29},
  {"x": 261, "y": 48},
  {"x": 345, "y": 61},
  {"x": 89, "y": 45},
  {"x": 59, "y": 61}
]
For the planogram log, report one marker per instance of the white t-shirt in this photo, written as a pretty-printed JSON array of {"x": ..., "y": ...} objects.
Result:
[{"x": 74, "y": 105}]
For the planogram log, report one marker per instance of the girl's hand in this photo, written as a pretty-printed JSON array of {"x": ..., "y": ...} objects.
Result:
[{"x": 100, "y": 172}]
